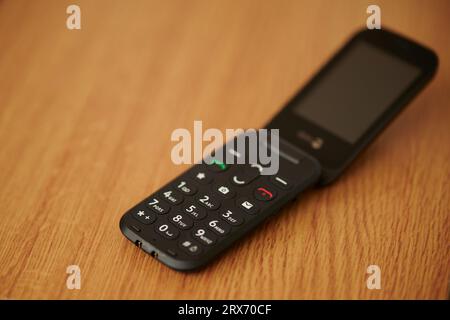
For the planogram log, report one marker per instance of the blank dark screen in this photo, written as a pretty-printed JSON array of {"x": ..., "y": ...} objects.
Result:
[{"x": 356, "y": 91}]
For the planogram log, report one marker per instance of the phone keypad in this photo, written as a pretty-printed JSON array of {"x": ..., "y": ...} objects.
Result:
[{"x": 206, "y": 205}]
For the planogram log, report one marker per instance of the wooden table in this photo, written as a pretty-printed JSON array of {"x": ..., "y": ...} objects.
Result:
[{"x": 85, "y": 123}]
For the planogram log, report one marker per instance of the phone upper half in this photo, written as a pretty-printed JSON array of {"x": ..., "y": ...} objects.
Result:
[{"x": 354, "y": 97}]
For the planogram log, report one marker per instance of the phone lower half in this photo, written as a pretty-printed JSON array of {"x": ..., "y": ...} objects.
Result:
[{"x": 179, "y": 228}]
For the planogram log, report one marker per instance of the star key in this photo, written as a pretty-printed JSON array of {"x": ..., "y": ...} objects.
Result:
[
  {"x": 202, "y": 177},
  {"x": 144, "y": 216}
]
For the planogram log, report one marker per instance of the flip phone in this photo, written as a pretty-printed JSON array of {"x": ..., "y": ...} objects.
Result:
[{"x": 199, "y": 214}]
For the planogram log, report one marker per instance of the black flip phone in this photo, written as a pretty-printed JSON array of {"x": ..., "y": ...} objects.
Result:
[{"x": 202, "y": 212}]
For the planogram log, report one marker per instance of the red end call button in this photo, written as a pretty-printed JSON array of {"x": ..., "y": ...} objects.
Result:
[{"x": 264, "y": 194}]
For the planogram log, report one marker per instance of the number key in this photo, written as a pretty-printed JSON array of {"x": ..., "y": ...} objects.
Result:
[
  {"x": 208, "y": 202},
  {"x": 181, "y": 221},
  {"x": 172, "y": 197},
  {"x": 166, "y": 230},
  {"x": 219, "y": 227},
  {"x": 232, "y": 216},
  {"x": 185, "y": 187},
  {"x": 194, "y": 211},
  {"x": 155, "y": 205},
  {"x": 204, "y": 236}
]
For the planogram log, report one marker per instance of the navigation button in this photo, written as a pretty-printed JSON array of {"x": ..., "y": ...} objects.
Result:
[{"x": 245, "y": 175}]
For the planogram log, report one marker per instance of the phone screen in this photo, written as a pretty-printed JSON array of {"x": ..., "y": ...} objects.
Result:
[{"x": 351, "y": 95}]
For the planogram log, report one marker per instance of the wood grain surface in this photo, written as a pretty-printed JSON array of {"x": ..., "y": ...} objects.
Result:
[{"x": 85, "y": 123}]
